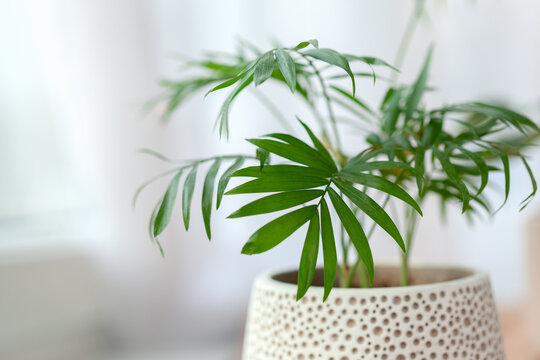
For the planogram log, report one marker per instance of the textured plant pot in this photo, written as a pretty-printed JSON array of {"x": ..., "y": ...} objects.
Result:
[{"x": 453, "y": 316}]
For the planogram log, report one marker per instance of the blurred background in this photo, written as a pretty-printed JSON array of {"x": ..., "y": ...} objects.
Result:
[{"x": 79, "y": 278}]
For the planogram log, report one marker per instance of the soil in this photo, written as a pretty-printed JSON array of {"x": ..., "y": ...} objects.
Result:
[{"x": 389, "y": 276}]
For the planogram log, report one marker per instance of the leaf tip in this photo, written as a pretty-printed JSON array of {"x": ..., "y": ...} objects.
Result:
[
  {"x": 326, "y": 294},
  {"x": 160, "y": 248},
  {"x": 247, "y": 249}
]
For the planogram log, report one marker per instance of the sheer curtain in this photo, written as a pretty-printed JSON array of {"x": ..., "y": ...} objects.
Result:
[{"x": 76, "y": 77}]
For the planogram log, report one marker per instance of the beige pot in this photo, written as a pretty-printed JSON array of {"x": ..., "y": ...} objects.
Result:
[{"x": 452, "y": 317}]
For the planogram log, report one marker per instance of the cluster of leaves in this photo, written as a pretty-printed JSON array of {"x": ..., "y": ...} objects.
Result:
[
  {"x": 311, "y": 178},
  {"x": 410, "y": 152},
  {"x": 292, "y": 66},
  {"x": 452, "y": 165},
  {"x": 162, "y": 212}
]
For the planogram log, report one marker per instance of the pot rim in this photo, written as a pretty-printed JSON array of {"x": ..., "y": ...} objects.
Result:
[{"x": 473, "y": 276}]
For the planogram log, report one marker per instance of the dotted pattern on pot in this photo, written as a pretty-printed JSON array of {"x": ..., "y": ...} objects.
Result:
[{"x": 452, "y": 322}]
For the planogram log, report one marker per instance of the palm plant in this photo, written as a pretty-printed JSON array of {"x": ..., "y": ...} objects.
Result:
[{"x": 410, "y": 152}]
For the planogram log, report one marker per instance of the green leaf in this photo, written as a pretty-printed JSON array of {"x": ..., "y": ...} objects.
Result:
[
  {"x": 482, "y": 202},
  {"x": 401, "y": 140},
  {"x": 308, "y": 261},
  {"x": 264, "y": 68},
  {"x": 380, "y": 183},
  {"x": 450, "y": 170},
  {"x": 329, "y": 250},
  {"x": 278, "y": 230},
  {"x": 387, "y": 96},
  {"x": 419, "y": 167},
  {"x": 356, "y": 166},
  {"x": 506, "y": 168},
  {"x": 491, "y": 111},
  {"x": 352, "y": 98},
  {"x": 332, "y": 57},
  {"x": 148, "y": 182},
  {"x": 300, "y": 89},
  {"x": 263, "y": 157},
  {"x": 322, "y": 156},
  {"x": 432, "y": 132},
  {"x": 187, "y": 194},
  {"x": 179, "y": 91},
  {"x": 286, "y": 65},
  {"x": 370, "y": 60},
  {"x": 208, "y": 194},
  {"x": 355, "y": 231},
  {"x": 223, "y": 117},
  {"x": 371, "y": 209},
  {"x": 480, "y": 164},
  {"x": 392, "y": 111},
  {"x": 225, "y": 178},
  {"x": 163, "y": 216},
  {"x": 418, "y": 88},
  {"x": 151, "y": 225},
  {"x": 281, "y": 170},
  {"x": 318, "y": 145},
  {"x": 277, "y": 202},
  {"x": 277, "y": 183},
  {"x": 526, "y": 201},
  {"x": 296, "y": 152},
  {"x": 304, "y": 44},
  {"x": 234, "y": 80}
]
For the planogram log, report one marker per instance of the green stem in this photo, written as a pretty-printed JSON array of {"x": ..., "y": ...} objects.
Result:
[
  {"x": 362, "y": 271},
  {"x": 407, "y": 37},
  {"x": 176, "y": 169},
  {"x": 363, "y": 274},
  {"x": 344, "y": 246},
  {"x": 192, "y": 161},
  {"x": 404, "y": 269},
  {"x": 411, "y": 219},
  {"x": 359, "y": 265},
  {"x": 328, "y": 102},
  {"x": 372, "y": 229}
]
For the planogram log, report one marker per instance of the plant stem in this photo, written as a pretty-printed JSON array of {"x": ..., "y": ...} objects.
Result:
[
  {"x": 178, "y": 168},
  {"x": 407, "y": 37},
  {"x": 328, "y": 102},
  {"x": 411, "y": 219},
  {"x": 363, "y": 275},
  {"x": 344, "y": 246},
  {"x": 359, "y": 265},
  {"x": 404, "y": 269}
]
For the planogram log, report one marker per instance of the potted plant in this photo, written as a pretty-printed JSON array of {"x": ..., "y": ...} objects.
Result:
[{"x": 351, "y": 308}]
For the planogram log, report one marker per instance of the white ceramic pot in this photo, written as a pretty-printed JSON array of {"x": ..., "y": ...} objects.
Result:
[{"x": 452, "y": 317}]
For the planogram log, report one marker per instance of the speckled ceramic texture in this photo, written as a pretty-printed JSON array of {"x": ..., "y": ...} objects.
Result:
[{"x": 455, "y": 319}]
